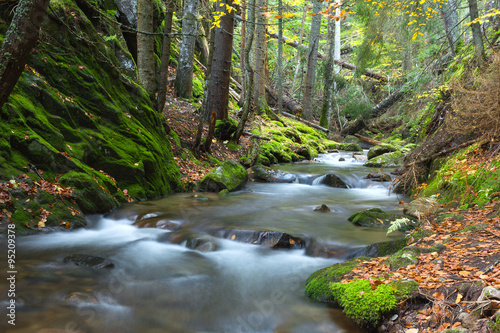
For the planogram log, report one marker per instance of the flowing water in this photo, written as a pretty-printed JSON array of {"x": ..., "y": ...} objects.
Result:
[{"x": 157, "y": 286}]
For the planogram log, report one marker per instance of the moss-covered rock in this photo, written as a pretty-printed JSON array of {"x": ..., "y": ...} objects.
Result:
[
  {"x": 372, "y": 218},
  {"x": 409, "y": 255},
  {"x": 380, "y": 150},
  {"x": 268, "y": 175},
  {"x": 388, "y": 160},
  {"x": 351, "y": 147},
  {"x": 230, "y": 175},
  {"x": 225, "y": 128},
  {"x": 90, "y": 197}
]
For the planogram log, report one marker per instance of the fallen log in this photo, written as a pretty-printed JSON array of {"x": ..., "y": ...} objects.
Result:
[
  {"x": 353, "y": 127},
  {"x": 370, "y": 141},
  {"x": 256, "y": 136},
  {"x": 321, "y": 56},
  {"x": 308, "y": 123},
  {"x": 288, "y": 103}
]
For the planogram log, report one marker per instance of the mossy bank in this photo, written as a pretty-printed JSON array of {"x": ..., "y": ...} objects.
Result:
[{"x": 76, "y": 115}]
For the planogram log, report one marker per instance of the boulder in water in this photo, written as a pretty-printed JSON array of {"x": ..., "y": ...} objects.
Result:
[
  {"x": 380, "y": 150},
  {"x": 387, "y": 160},
  {"x": 333, "y": 181},
  {"x": 323, "y": 208},
  {"x": 89, "y": 261},
  {"x": 378, "y": 177},
  {"x": 79, "y": 299},
  {"x": 269, "y": 175},
  {"x": 231, "y": 175},
  {"x": 271, "y": 239},
  {"x": 192, "y": 239},
  {"x": 323, "y": 249}
]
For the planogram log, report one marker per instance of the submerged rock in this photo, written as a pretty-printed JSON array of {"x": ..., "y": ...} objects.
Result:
[
  {"x": 333, "y": 181},
  {"x": 193, "y": 240},
  {"x": 324, "y": 249},
  {"x": 271, "y": 239},
  {"x": 269, "y": 175},
  {"x": 323, "y": 208},
  {"x": 231, "y": 175},
  {"x": 89, "y": 261},
  {"x": 378, "y": 177},
  {"x": 79, "y": 299}
]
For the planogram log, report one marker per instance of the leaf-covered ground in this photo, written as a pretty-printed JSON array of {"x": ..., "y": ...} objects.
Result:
[{"x": 450, "y": 281}]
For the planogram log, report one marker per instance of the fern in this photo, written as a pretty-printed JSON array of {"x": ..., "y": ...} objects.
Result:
[{"x": 398, "y": 224}]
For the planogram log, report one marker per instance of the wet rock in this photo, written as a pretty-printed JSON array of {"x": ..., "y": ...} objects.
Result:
[
  {"x": 128, "y": 11},
  {"x": 333, "y": 181},
  {"x": 374, "y": 217},
  {"x": 351, "y": 147},
  {"x": 378, "y": 177},
  {"x": 269, "y": 175},
  {"x": 421, "y": 207},
  {"x": 323, "y": 208},
  {"x": 380, "y": 150},
  {"x": 271, "y": 239},
  {"x": 381, "y": 249},
  {"x": 231, "y": 175},
  {"x": 324, "y": 249},
  {"x": 387, "y": 160},
  {"x": 168, "y": 225},
  {"x": 78, "y": 299},
  {"x": 193, "y": 240},
  {"x": 86, "y": 260},
  {"x": 341, "y": 159},
  {"x": 359, "y": 158}
]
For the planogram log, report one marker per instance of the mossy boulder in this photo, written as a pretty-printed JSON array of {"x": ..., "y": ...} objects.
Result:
[
  {"x": 231, "y": 175},
  {"x": 225, "y": 128},
  {"x": 373, "y": 217},
  {"x": 90, "y": 197},
  {"x": 380, "y": 150},
  {"x": 388, "y": 160},
  {"x": 351, "y": 147},
  {"x": 409, "y": 255},
  {"x": 269, "y": 175},
  {"x": 333, "y": 181},
  {"x": 383, "y": 249}
]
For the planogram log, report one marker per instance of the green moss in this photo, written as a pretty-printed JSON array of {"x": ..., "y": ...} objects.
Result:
[
  {"x": 365, "y": 305},
  {"x": 225, "y": 128},
  {"x": 393, "y": 159},
  {"x": 351, "y": 147},
  {"x": 317, "y": 285},
  {"x": 231, "y": 175},
  {"x": 372, "y": 217}
]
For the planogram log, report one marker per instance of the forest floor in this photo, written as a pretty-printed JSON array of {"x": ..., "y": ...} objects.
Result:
[
  {"x": 182, "y": 118},
  {"x": 450, "y": 281}
]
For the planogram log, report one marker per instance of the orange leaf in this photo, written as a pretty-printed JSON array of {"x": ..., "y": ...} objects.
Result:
[
  {"x": 464, "y": 273},
  {"x": 438, "y": 295}
]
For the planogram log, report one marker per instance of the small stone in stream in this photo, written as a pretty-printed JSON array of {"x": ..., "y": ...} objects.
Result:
[
  {"x": 78, "y": 298},
  {"x": 378, "y": 177},
  {"x": 89, "y": 261},
  {"x": 169, "y": 225},
  {"x": 323, "y": 208},
  {"x": 341, "y": 159}
]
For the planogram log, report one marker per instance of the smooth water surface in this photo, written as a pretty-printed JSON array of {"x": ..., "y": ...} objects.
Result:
[{"x": 157, "y": 286}]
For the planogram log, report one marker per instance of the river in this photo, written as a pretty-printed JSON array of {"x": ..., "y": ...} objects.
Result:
[{"x": 157, "y": 286}]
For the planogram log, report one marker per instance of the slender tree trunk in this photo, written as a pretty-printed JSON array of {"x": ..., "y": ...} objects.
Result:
[
  {"x": 19, "y": 40},
  {"x": 337, "y": 52},
  {"x": 449, "y": 15},
  {"x": 312, "y": 61},
  {"x": 145, "y": 46},
  {"x": 476, "y": 33},
  {"x": 249, "y": 77},
  {"x": 299, "y": 53},
  {"x": 220, "y": 76},
  {"x": 280, "y": 57},
  {"x": 242, "y": 56},
  {"x": 165, "y": 56},
  {"x": 184, "y": 77},
  {"x": 260, "y": 79},
  {"x": 327, "y": 109},
  {"x": 204, "y": 45}
]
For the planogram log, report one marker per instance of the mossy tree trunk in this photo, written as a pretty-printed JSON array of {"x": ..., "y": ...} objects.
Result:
[
  {"x": 184, "y": 77},
  {"x": 329, "y": 85},
  {"x": 145, "y": 46},
  {"x": 476, "y": 33},
  {"x": 220, "y": 75},
  {"x": 312, "y": 61},
  {"x": 19, "y": 40},
  {"x": 449, "y": 15},
  {"x": 165, "y": 55},
  {"x": 249, "y": 77}
]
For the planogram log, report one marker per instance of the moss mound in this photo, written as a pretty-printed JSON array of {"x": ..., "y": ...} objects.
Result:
[
  {"x": 373, "y": 217},
  {"x": 231, "y": 175}
]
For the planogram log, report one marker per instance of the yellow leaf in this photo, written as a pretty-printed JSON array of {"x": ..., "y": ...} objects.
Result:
[
  {"x": 233, "y": 237},
  {"x": 278, "y": 17},
  {"x": 459, "y": 298},
  {"x": 41, "y": 224},
  {"x": 414, "y": 36}
]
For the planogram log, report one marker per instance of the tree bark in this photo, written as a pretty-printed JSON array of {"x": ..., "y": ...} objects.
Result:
[
  {"x": 184, "y": 77},
  {"x": 280, "y": 56},
  {"x": 288, "y": 103},
  {"x": 19, "y": 40},
  {"x": 145, "y": 46},
  {"x": 449, "y": 15},
  {"x": 328, "y": 75},
  {"x": 299, "y": 52},
  {"x": 312, "y": 60},
  {"x": 205, "y": 48},
  {"x": 476, "y": 33},
  {"x": 250, "y": 28},
  {"x": 220, "y": 76},
  {"x": 241, "y": 101},
  {"x": 370, "y": 141},
  {"x": 165, "y": 56},
  {"x": 260, "y": 57}
]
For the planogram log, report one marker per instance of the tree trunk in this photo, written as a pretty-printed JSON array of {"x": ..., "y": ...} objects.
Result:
[
  {"x": 205, "y": 49},
  {"x": 288, "y": 103},
  {"x": 312, "y": 61},
  {"x": 220, "y": 76},
  {"x": 299, "y": 52},
  {"x": 260, "y": 56},
  {"x": 241, "y": 101},
  {"x": 250, "y": 28},
  {"x": 184, "y": 77},
  {"x": 476, "y": 33},
  {"x": 280, "y": 56},
  {"x": 19, "y": 40},
  {"x": 165, "y": 56},
  {"x": 329, "y": 84},
  {"x": 145, "y": 46},
  {"x": 449, "y": 15}
]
